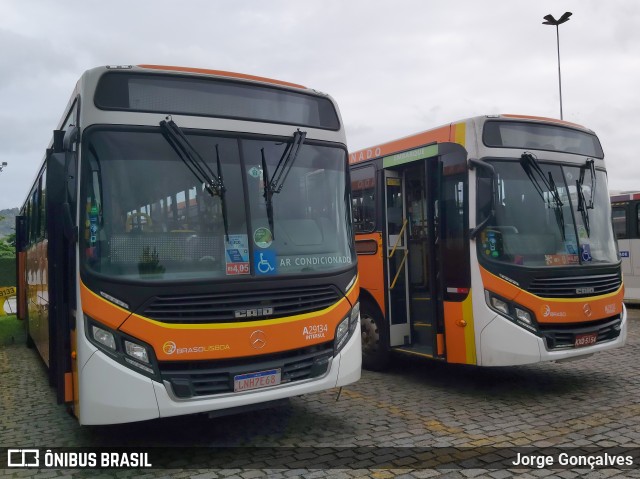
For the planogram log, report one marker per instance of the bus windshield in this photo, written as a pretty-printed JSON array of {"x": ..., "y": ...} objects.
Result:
[
  {"x": 534, "y": 225},
  {"x": 147, "y": 215}
]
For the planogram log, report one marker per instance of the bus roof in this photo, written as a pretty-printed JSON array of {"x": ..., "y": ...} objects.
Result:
[
  {"x": 222, "y": 73},
  {"x": 451, "y": 132}
]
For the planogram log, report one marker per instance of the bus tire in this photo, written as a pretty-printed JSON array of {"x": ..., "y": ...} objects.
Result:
[{"x": 375, "y": 354}]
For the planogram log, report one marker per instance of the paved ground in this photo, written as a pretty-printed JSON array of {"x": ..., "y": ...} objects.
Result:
[{"x": 438, "y": 413}]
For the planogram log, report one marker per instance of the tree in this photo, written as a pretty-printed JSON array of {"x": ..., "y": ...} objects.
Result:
[
  {"x": 10, "y": 239},
  {"x": 8, "y": 245},
  {"x": 7, "y": 250}
]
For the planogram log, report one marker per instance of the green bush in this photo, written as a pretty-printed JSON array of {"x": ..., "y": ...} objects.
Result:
[{"x": 7, "y": 272}]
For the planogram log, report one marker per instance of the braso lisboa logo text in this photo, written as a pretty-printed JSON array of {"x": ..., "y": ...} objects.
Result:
[
  {"x": 170, "y": 348},
  {"x": 547, "y": 313}
]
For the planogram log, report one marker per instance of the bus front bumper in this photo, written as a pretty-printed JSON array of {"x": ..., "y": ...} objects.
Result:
[
  {"x": 110, "y": 393},
  {"x": 503, "y": 343}
]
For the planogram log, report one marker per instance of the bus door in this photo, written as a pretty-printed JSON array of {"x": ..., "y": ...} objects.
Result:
[
  {"x": 422, "y": 191},
  {"x": 412, "y": 256},
  {"x": 397, "y": 256},
  {"x": 61, "y": 275}
]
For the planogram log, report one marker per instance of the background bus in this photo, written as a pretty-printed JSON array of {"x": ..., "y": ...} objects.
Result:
[
  {"x": 626, "y": 226},
  {"x": 487, "y": 241},
  {"x": 186, "y": 245}
]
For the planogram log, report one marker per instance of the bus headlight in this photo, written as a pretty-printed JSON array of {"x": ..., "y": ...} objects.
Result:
[
  {"x": 510, "y": 310},
  {"x": 104, "y": 337},
  {"x": 499, "y": 305},
  {"x": 355, "y": 316},
  {"x": 136, "y": 351},
  {"x": 346, "y": 327},
  {"x": 341, "y": 333},
  {"x": 122, "y": 348},
  {"x": 523, "y": 315}
]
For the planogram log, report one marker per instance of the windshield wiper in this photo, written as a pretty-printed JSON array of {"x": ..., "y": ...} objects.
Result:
[
  {"x": 583, "y": 206},
  {"x": 267, "y": 193},
  {"x": 213, "y": 184},
  {"x": 531, "y": 167},
  {"x": 276, "y": 182}
]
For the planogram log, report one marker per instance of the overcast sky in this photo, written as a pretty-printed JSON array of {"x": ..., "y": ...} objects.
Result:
[{"x": 395, "y": 67}]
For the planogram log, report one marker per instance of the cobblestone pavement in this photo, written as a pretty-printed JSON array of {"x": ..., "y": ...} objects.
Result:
[{"x": 419, "y": 405}]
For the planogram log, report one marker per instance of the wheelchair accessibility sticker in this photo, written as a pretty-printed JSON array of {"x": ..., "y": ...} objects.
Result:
[{"x": 264, "y": 262}]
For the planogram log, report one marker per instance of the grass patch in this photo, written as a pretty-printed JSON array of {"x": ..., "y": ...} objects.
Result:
[{"x": 11, "y": 330}]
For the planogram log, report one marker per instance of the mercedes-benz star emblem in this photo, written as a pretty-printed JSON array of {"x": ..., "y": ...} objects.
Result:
[{"x": 258, "y": 339}]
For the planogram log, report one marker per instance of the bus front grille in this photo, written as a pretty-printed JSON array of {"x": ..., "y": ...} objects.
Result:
[
  {"x": 575, "y": 286},
  {"x": 564, "y": 337},
  {"x": 189, "y": 379},
  {"x": 240, "y": 306}
]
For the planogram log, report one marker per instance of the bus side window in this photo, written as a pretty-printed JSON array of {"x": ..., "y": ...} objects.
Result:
[
  {"x": 363, "y": 187},
  {"x": 619, "y": 216}
]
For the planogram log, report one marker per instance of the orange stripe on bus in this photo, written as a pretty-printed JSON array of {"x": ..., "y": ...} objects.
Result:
[
  {"x": 440, "y": 344},
  {"x": 223, "y": 73},
  {"x": 437, "y": 135},
  {"x": 68, "y": 387},
  {"x": 460, "y": 332},
  {"x": 455, "y": 333},
  {"x": 102, "y": 310},
  {"x": 354, "y": 293},
  {"x": 216, "y": 341},
  {"x": 370, "y": 270},
  {"x": 557, "y": 310}
]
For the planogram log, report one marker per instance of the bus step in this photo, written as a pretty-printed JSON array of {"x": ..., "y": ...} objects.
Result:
[
  {"x": 422, "y": 334},
  {"x": 416, "y": 350}
]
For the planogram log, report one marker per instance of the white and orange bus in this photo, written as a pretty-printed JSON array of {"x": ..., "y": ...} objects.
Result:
[
  {"x": 626, "y": 226},
  {"x": 487, "y": 241},
  {"x": 186, "y": 246}
]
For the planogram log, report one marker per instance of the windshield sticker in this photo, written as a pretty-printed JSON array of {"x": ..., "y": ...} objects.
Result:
[
  {"x": 262, "y": 237},
  {"x": 310, "y": 261},
  {"x": 561, "y": 259},
  {"x": 236, "y": 252},
  {"x": 582, "y": 232},
  {"x": 571, "y": 247},
  {"x": 585, "y": 252},
  {"x": 265, "y": 262},
  {"x": 492, "y": 243},
  {"x": 255, "y": 172}
]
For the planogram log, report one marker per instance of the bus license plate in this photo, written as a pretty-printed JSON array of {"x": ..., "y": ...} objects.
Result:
[
  {"x": 586, "y": 339},
  {"x": 257, "y": 380}
]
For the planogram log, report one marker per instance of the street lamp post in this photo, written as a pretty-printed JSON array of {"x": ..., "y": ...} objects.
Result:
[{"x": 552, "y": 21}]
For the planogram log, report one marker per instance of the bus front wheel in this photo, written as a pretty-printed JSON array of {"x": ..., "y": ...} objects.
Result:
[{"x": 375, "y": 354}]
